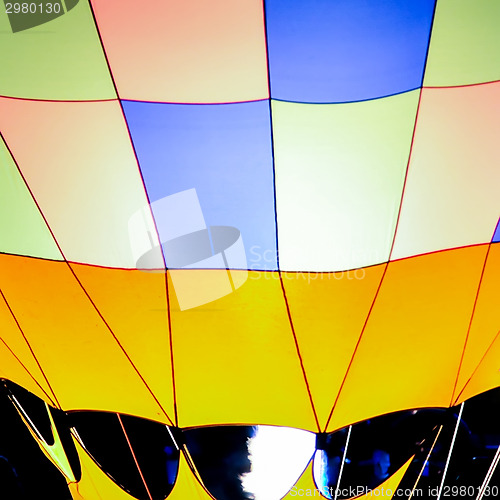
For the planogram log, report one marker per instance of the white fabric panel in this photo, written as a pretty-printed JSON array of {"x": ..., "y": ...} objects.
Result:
[
  {"x": 339, "y": 177},
  {"x": 452, "y": 195}
]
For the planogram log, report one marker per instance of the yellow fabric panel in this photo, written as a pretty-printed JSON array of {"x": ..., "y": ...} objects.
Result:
[
  {"x": 187, "y": 486},
  {"x": 410, "y": 351},
  {"x": 192, "y": 289},
  {"x": 135, "y": 307},
  {"x": 83, "y": 363},
  {"x": 388, "y": 487},
  {"x": 486, "y": 322},
  {"x": 304, "y": 484},
  {"x": 94, "y": 484},
  {"x": 328, "y": 311},
  {"x": 13, "y": 339},
  {"x": 235, "y": 359}
]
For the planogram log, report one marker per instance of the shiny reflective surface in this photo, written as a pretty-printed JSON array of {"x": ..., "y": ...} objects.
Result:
[
  {"x": 329, "y": 459},
  {"x": 49, "y": 428},
  {"x": 451, "y": 450},
  {"x": 471, "y": 458},
  {"x": 33, "y": 410},
  {"x": 249, "y": 462},
  {"x": 364, "y": 457},
  {"x": 25, "y": 471},
  {"x": 140, "y": 456}
]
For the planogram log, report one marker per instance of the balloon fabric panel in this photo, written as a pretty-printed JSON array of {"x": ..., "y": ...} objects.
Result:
[
  {"x": 224, "y": 153},
  {"x": 59, "y": 60},
  {"x": 350, "y": 162},
  {"x": 24, "y": 232},
  {"x": 464, "y": 44},
  {"x": 83, "y": 362},
  {"x": 414, "y": 336},
  {"x": 483, "y": 329},
  {"x": 16, "y": 353},
  {"x": 329, "y": 310},
  {"x": 454, "y": 168},
  {"x": 214, "y": 340},
  {"x": 346, "y": 50},
  {"x": 79, "y": 163},
  {"x": 191, "y": 51}
]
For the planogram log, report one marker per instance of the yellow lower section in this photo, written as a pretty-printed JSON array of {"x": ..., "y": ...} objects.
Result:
[
  {"x": 17, "y": 361},
  {"x": 236, "y": 359},
  {"x": 410, "y": 351},
  {"x": 84, "y": 364},
  {"x": 187, "y": 486},
  {"x": 304, "y": 484},
  {"x": 94, "y": 484},
  {"x": 328, "y": 311}
]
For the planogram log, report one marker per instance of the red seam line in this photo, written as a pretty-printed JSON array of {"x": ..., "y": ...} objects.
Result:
[
  {"x": 461, "y": 86},
  {"x": 477, "y": 367},
  {"x": 169, "y": 325},
  {"x": 31, "y": 350},
  {"x": 79, "y": 282},
  {"x": 356, "y": 347},
  {"x": 298, "y": 352},
  {"x": 386, "y": 265},
  {"x": 29, "y": 373},
  {"x": 470, "y": 324},
  {"x": 119, "y": 343},
  {"x": 167, "y": 298},
  {"x": 171, "y": 341},
  {"x": 183, "y": 103},
  {"x": 296, "y": 271},
  {"x": 133, "y": 455},
  {"x": 406, "y": 175},
  {"x": 69, "y": 101},
  {"x": 271, "y": 131},
  {"x": 194, "y": 471}
]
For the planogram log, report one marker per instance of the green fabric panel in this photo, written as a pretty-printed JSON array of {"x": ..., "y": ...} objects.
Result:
[
  {"x": 23, "y": 15},
  {"x": 61, "y": 59},
  {"x": 70, "y": 4},
  {"x": 22, "y": 228},
  {"x": 465, "y": 43}
]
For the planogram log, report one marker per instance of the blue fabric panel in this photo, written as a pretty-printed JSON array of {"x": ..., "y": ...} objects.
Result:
[
  {"x": 221, "y": 150},
  {"x": 496, "y": 236},
  {"x": 346, "y": 50}
]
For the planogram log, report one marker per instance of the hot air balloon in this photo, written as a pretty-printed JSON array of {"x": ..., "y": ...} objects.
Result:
[{"x": 250, "y": 249}]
